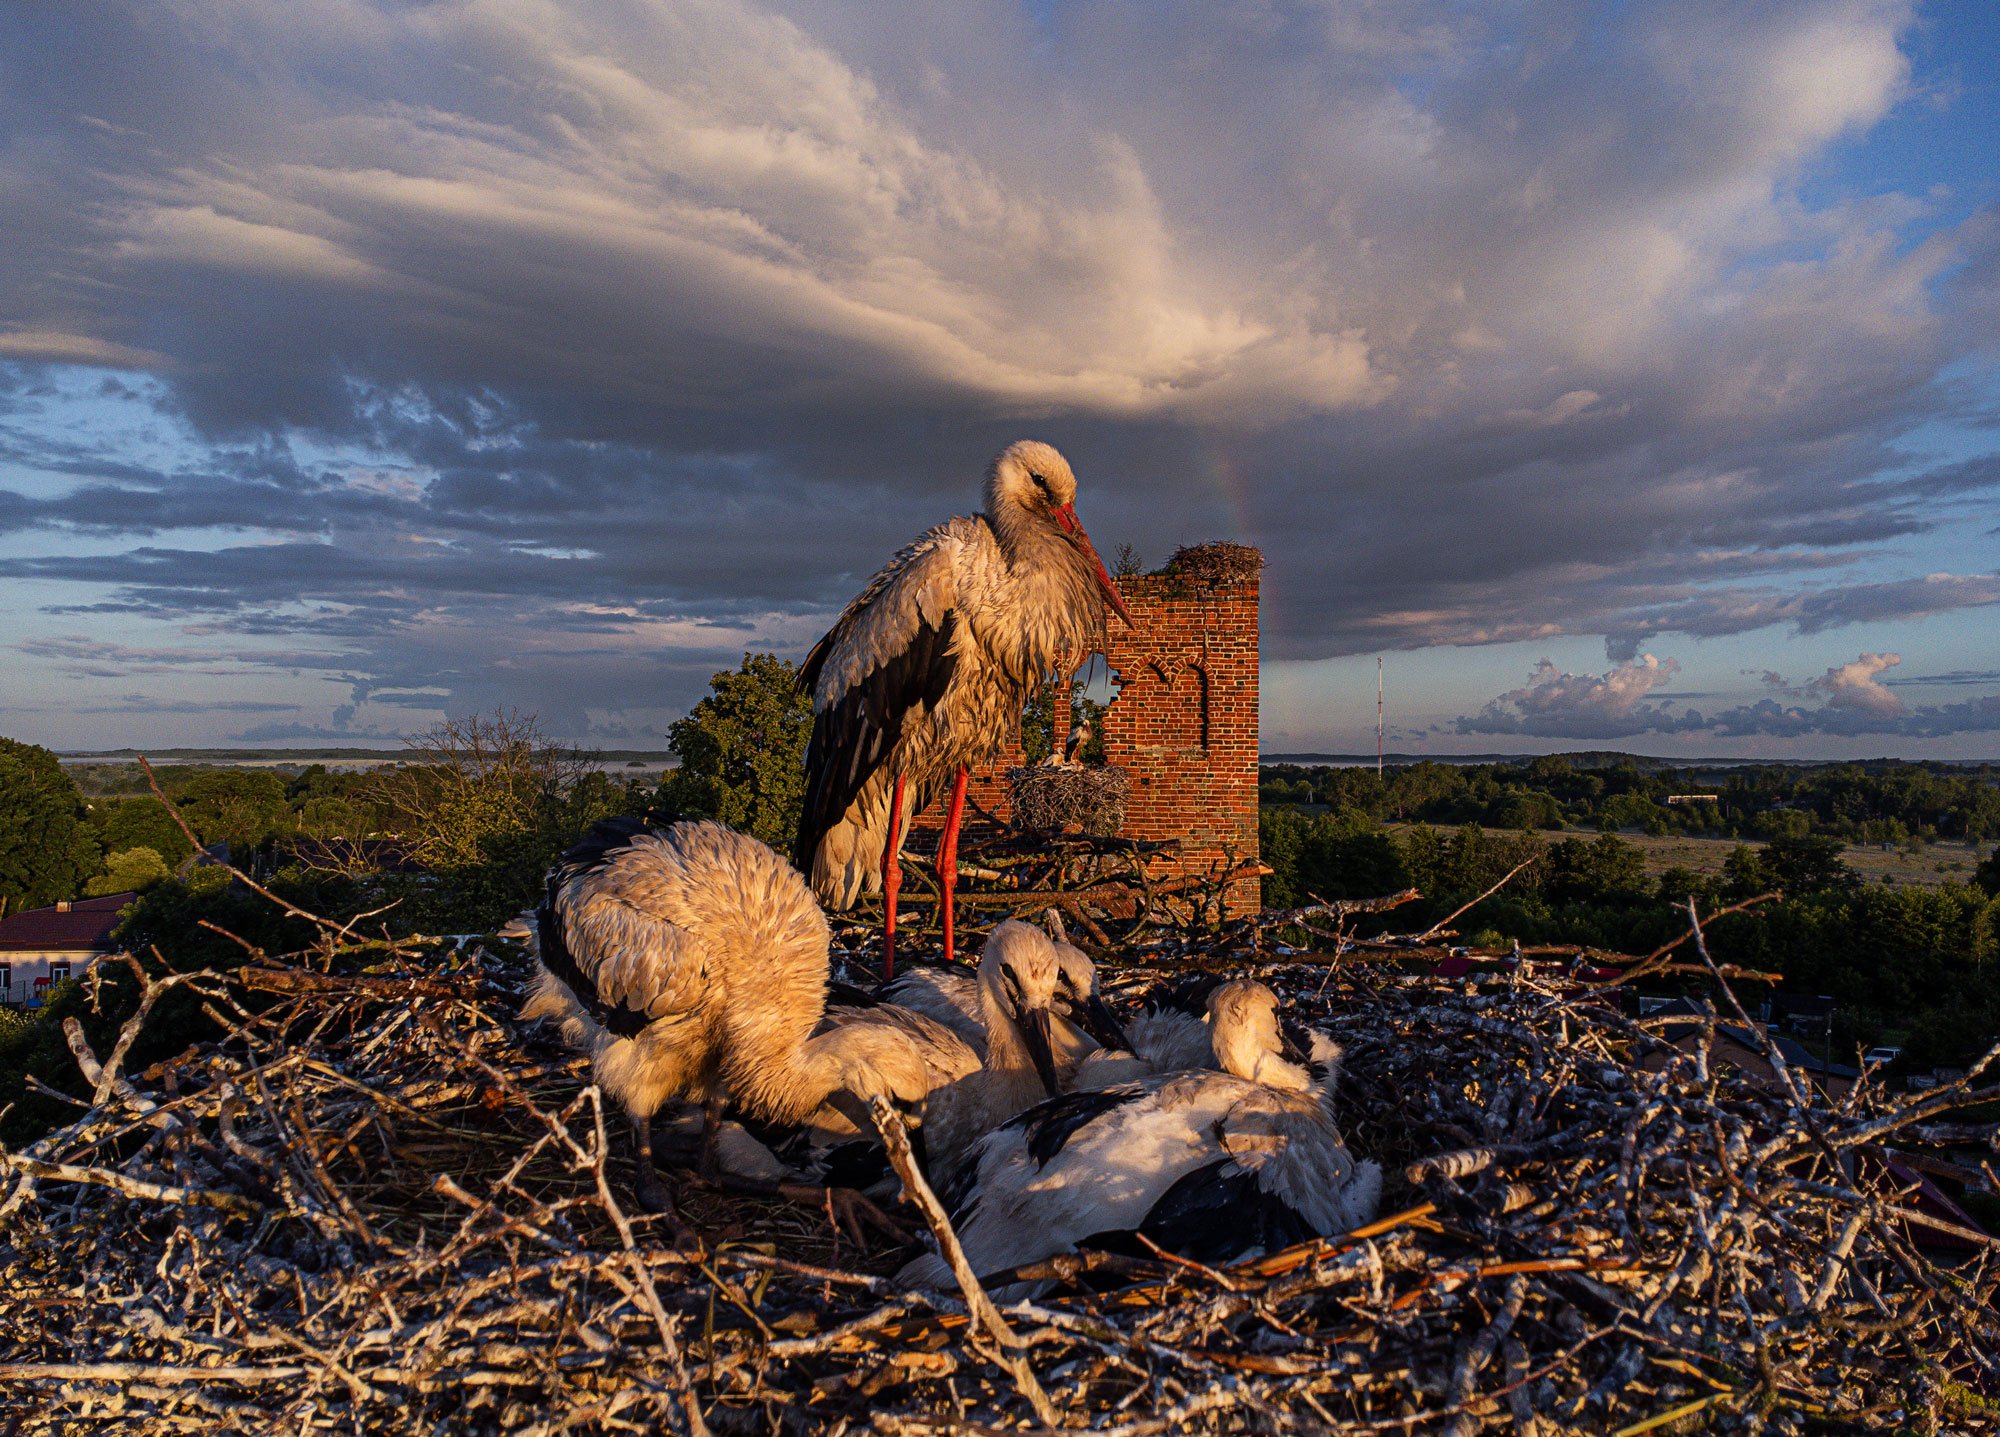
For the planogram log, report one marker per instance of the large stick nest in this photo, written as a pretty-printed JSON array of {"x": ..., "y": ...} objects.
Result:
[
  {"x": 1220, "y": 562},
  {"x": 376, "y": 1203},
  {"x": 1054, "y": 797}
]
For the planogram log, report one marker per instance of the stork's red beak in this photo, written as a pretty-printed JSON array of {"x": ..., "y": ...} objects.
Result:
[{"x": 1072, "y": 526}]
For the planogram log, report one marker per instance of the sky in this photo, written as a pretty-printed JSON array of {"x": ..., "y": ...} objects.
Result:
[{"x": 1625, "y": 375}]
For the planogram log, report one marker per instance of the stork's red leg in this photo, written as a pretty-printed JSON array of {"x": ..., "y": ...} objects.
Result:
[
  {"x": 948, "y": 857},
  {"x": 892, "y": 882}
]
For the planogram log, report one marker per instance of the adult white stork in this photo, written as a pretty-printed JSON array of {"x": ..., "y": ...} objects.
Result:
[
  {"x": 1211, "y": 1164},
  {"x": 926, "y": 672},
  {"x": 691, "y": 963}
]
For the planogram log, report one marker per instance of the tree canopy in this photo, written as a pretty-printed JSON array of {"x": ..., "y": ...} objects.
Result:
[
  {"x": 124, "y": 823},
  {"x": 130, "y": 870},
  {"x": 742, "y": 752},
  {"x": 46, "y": 846}
]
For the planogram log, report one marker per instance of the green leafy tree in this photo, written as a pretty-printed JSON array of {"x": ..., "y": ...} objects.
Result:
[
  {"x": 130, "y": 870},
  {"x": 1987, "y": 875},
  {"x": 1281, "y": 837},
  {"x": 241, "y": 807},
  {"x": 1606, "y": 868},
  {"x": 1520, "y": 809},
  {"x": 1808, "y": 864},
  {"x": 1346, "y": 854},
  {"x": 1631, "y": 810},
  {"x": 139, "y": 823},
  {"x": 1744, "y": 874},
  {"x": 470, "y": 782},
  {"x": 1678, "y": 884},
  {"x": 47, "y": 850},
  {"x": 742, "y": 752},
  {"x": 484, "y": 804}
]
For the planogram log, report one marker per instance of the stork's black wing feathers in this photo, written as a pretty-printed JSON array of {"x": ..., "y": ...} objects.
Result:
[
  {"x": 1187, "y": 994},
  {"x": 1051, "y": 1124},
  {"x": 1219, "y": 1212},
  {"x": 847, "y": 995},
  {"x": 854, "y": 735},
  {"x": 594, "y": 850}
]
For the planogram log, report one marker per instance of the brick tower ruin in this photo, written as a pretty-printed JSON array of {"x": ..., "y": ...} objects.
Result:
[{"x": 1182, "y": 720}]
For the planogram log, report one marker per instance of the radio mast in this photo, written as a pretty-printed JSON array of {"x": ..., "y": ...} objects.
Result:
[{"x": 1378, "y": 717}]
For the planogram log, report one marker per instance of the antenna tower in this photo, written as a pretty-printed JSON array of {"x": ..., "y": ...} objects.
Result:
[{"x": 1378, "y": 717}]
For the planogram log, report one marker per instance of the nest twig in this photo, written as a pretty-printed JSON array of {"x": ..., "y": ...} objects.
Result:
[{"x": 370, "y": 1201}]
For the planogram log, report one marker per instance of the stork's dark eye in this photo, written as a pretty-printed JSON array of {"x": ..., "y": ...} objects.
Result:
[{"x": 1040, "y": 483}]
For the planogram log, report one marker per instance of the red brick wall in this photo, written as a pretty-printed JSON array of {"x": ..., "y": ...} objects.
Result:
[{"x": 1182, "y": 721}]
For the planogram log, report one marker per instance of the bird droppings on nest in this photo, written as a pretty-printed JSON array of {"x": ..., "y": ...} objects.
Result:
[
  {"x": 1220, "y": 562},
  {"x": 1054, "y": 797},
  {"x": 378, "y": 1203}
]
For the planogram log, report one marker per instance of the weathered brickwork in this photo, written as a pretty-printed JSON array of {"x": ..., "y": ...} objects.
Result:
[{"x": 1183, "y": 721}]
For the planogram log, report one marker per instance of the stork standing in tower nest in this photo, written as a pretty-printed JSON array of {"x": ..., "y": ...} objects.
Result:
[{"x": 925, "y": 675}]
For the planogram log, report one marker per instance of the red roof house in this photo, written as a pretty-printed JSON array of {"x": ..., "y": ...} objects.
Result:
[{"x": 40, "y": 947}]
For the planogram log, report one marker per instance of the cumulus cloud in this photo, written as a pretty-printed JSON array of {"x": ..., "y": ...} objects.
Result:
[
  {"x": 556, "y": 353},
  {"x": 1848, "y": 700},
  {"x": 1555, "y": 703},
  {"x": 1854, "y": 685}
]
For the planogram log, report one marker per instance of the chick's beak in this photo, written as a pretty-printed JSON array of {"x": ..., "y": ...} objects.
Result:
[
  {"x": 1072, "y": 526},
  {"x": 1035, "y": 1030},
  {"x": 1102, "y": 1024}
]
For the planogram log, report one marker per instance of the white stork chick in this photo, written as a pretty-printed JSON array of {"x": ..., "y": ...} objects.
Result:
[
  {"x": 967, "y": 1091},
  {"x": 925, "y": 675},
  {"x": 691, "y": 963},
  {"x": 1212, "y": 1164},
  {"x": 1084, "y": 1026},
  {"x": 1019, "y": 974},
  {"x": 1169, "y": 1034},
  {"x": 1172, "y": 1033}
]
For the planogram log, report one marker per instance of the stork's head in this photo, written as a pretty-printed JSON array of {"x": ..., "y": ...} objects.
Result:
[
  {"x": 1084, "y": 1005},
  {"x": 1019, "y": 974},
  {"x": 1030, "y": 485},
  {"x": 1244, "y": 1031}
]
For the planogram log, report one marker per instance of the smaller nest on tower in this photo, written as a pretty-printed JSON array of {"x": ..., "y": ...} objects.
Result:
[
  {"x": 1218, "y": 563},
  {"x": 1050, "y": 797}
]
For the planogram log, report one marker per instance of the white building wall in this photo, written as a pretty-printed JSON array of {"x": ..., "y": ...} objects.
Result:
[{"x": 25, "y": 978}]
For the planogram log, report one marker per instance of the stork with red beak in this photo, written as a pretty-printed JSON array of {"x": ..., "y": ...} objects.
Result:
[{"x": 925, "y": 675}]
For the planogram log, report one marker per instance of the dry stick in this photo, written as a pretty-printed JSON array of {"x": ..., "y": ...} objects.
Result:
[
  {"x": 1008, "y": 1348},
  {"x": 107, "y": 1079},
  {"x": 154, "y": 783},
  {"x": 131, "y": 1187},
  {"x": 1651, "y": 965},
  {"x": 1440, "y": 925},
  {"x": 689, "y": 1406}
]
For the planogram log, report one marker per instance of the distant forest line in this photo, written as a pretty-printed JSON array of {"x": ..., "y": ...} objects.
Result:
[{"x": 1911, "y": 964}]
